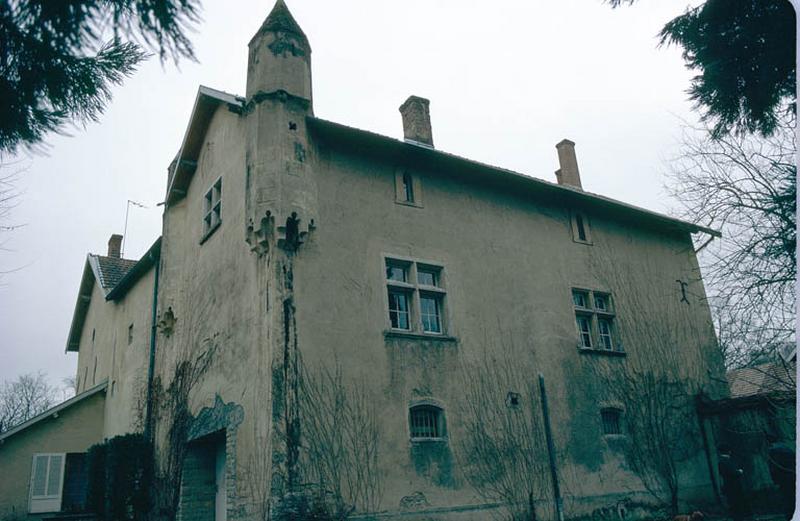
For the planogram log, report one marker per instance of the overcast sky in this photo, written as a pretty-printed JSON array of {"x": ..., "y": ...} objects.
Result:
[{"x": 507, "y": 80}]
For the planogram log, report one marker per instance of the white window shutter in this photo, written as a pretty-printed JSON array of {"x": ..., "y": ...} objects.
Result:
[
  {"x": 39, "y": 475},
  {"x": 47, "y": 479},
  {"x": 55, "y": 475}
]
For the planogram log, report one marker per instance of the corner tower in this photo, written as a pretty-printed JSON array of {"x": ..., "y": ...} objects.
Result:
[
  {"x": 281, "y": 199},
  {"x": 281, "y": 210},
  {"x": 279, "y": 57}
]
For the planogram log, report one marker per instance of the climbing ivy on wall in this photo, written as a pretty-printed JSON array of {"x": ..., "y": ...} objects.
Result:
[{"x": 120, "y": 478}]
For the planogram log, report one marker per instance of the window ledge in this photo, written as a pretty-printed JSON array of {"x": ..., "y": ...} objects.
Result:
[
  {"x": 606, "y": 352},
  {"x": 429, "y": 440},
  {"x": 413, "y": 204},
  {"x": 391, "y": 333},
  {"x": 210, "y": 232}
]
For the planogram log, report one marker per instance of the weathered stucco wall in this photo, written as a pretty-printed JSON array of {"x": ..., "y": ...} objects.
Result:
[
  {"x": 75, "y": 429},
  {"x": 509, "y": 266},
  {"x": 510, "y": 263},
  {"x": 279, "y": 315},
  {"x": 105, "y": 353},
  {"x": 212, "y": 286}
]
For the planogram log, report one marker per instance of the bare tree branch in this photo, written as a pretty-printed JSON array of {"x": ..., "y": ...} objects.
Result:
[
  {"x": 745, "y": 185},
  {"x": 26, "y": 397}
]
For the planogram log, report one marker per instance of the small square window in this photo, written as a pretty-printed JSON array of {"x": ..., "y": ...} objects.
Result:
[
  {"x": 426, "y": 422},
  {"x": 601, "y": 302},
  {"x": 580, "y": 299},
  {"x": 512, "y": 400},
  {"x": 396, "y": 273},
  {"x": 611, "y": 419},
  {"x": 427, "y": 277}
]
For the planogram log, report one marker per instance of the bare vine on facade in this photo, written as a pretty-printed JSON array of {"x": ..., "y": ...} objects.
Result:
[
  {"x": 340, "y": 453},
  {"x": 503, "y": 449},
  {"x": 661, "y": 367},
  {"x": 173, "y": 420}
]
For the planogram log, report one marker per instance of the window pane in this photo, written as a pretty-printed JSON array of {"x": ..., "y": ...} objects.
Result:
[
  {"x": 611, "y": 421},
  {"x": 579, "y": 298},
  {"x": 39, "y": 475},
  {"x": 425, "y": 422},
  {"x": 398, "y": 273},
  {"x": 601, "y": 302},
  {"x": 429, "y": 311},
  {"x": 604, "y": 326},
  {"x": 217, "y": 214},
  {"x": 585, "y": 330},
  {"x": 581, "y": 228},
  {"x": 398, "y": 310},
  {"x": 427, "y": 277},
  {"x": 54, "y": 476},
  {"x": 408, "y": 188}
]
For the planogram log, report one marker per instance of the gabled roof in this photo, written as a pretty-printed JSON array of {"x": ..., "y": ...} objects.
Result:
[
  {"x": 54, "y": 410},
  {"x": 142, "y": 266},
  {"x": 185, "y": 163},
  {"x": 115, "y": 277},
  {"x": 110, "y": 270}
]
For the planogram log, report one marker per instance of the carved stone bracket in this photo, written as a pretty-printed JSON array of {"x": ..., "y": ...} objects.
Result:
[
  {"x": 258, "y": 235},
  {"x": 294, "y": 233},
  {"x": 288, "y": 236},
  {"x": 166, "y": 322}
]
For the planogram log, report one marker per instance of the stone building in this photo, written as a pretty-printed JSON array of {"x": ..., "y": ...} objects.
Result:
[{"x": 362, "y": 321}]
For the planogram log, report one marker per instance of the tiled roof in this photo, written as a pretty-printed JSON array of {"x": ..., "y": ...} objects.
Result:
[
  {"x": 762, "y": 379},
  {"x": 112, "y": 270}
]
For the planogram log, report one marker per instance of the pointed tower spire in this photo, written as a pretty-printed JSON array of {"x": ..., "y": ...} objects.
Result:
[
  {"x": 280, "y": 57},
  {"x": 281, "y": 19}
]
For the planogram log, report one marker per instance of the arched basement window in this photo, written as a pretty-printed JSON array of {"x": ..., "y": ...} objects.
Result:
[{"x": 427, "y": 422}]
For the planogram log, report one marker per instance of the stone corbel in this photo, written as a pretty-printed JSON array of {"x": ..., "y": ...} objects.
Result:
[{"x": 258, "y": 235}]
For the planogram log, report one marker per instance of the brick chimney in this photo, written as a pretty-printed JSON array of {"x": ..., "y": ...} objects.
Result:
[
  {"x": 568, "y": 174},
  {"x": 417, "y": 120},
  {"x": 114, "y": 245}
]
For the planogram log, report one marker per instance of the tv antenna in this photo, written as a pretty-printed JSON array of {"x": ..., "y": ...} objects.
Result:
[{"x": 125, "y": 231}]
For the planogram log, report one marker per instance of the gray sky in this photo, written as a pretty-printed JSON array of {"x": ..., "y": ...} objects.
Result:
[{"x": 507, "y": 80}]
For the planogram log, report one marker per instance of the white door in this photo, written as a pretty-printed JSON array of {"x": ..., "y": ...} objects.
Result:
[{"x": 221, "y": 500}]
